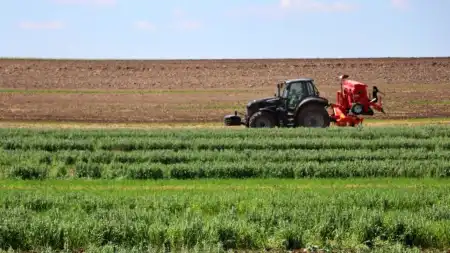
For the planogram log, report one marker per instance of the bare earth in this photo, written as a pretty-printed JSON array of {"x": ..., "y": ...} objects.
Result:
[{"x": 204, "y": 90}]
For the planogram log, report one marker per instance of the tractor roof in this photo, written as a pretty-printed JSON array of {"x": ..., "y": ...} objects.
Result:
[{"x": 303, "y": 79}]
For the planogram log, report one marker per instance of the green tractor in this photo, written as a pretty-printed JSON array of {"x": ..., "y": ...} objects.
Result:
[{"x": 297, "y": 103}]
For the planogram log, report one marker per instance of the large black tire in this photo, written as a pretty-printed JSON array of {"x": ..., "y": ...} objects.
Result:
[
  {"x": 262, "y": 120},
  {"x": 313, "y": 115}
]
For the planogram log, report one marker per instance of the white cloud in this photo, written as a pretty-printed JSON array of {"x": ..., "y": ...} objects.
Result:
[
  {"x": 317, "y": 5},
  {"x": 285, "y": 3},
  {"x": 283, "y": 6},
  {"x": 86, "y": 2},
  {"x": 145, "y": 25},
  {"x": 53, "y": 25},
  {"x": 400, "y": 4}
]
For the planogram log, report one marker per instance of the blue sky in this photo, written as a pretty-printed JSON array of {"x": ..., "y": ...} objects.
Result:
[{"x": 151, "y": 29}]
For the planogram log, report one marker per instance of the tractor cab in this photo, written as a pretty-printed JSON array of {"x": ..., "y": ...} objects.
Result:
[{"x": 292, "y": 92}]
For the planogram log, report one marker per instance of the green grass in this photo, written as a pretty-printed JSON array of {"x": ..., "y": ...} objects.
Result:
[
  {"x": 423, "y": 120},
  {"x": 383, "y": 189},
  {"x": 217, "y": 215},
  {"x": 226, "y": 153}
]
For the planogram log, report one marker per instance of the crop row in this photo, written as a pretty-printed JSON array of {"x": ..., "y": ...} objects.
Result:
[
  {"x": 168, "y": 156},
  {"x": 417, "y": 132},
  {"x": 266, "y": 216},
  {"x": 158, "y": 164},
  {"x": 249, "y": 169},
  {"x": 268, "y": 143}
]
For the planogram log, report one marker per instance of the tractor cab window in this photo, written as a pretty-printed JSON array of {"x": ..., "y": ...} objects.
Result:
[
  {"x": 311, "y": 89},
  {"x": 296, "y": 92}
]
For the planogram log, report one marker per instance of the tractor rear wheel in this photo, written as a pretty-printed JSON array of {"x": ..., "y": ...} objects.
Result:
[
  {"x": 262, "y": 120},
  {"x": 313, "y": 115}
]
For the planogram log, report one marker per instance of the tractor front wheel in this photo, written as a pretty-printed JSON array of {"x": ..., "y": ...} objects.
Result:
[
  {"x": 313, "y": 115},
  {"x": 262, "y": 120}
]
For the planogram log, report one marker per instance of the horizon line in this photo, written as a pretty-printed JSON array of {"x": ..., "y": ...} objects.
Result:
[{"x": 225, "y": 59}]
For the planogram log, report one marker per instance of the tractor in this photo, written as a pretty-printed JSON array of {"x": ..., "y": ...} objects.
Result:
[{"x": 298, "y": 103}]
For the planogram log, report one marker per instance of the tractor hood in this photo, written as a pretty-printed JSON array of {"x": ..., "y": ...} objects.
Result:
[{"x": 264, "y": 102}]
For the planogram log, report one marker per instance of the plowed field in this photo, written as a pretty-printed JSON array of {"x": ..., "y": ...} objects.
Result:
[{"x": 203, "y": 90}]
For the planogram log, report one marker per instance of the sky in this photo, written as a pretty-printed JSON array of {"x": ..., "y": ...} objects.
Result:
[{"x": 195, "y": 29}]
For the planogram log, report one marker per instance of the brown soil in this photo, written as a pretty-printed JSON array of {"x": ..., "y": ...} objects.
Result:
[{"x": 126, "y": 91}]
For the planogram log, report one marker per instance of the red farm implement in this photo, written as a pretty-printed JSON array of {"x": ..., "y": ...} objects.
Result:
[{"x": 352, "y": 101}]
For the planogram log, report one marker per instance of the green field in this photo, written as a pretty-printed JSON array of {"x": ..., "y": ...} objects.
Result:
[
  {"x": 382, "y": 189},
  {"x": 389, "y": 215},
  {"x": 226, "y": 153}
]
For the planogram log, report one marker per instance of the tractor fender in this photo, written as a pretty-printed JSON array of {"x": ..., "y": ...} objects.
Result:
[
  {"x": 311, "y": 100},
  {"x": 272, "y": 110},
  {"x": 318, "y": 106}
]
